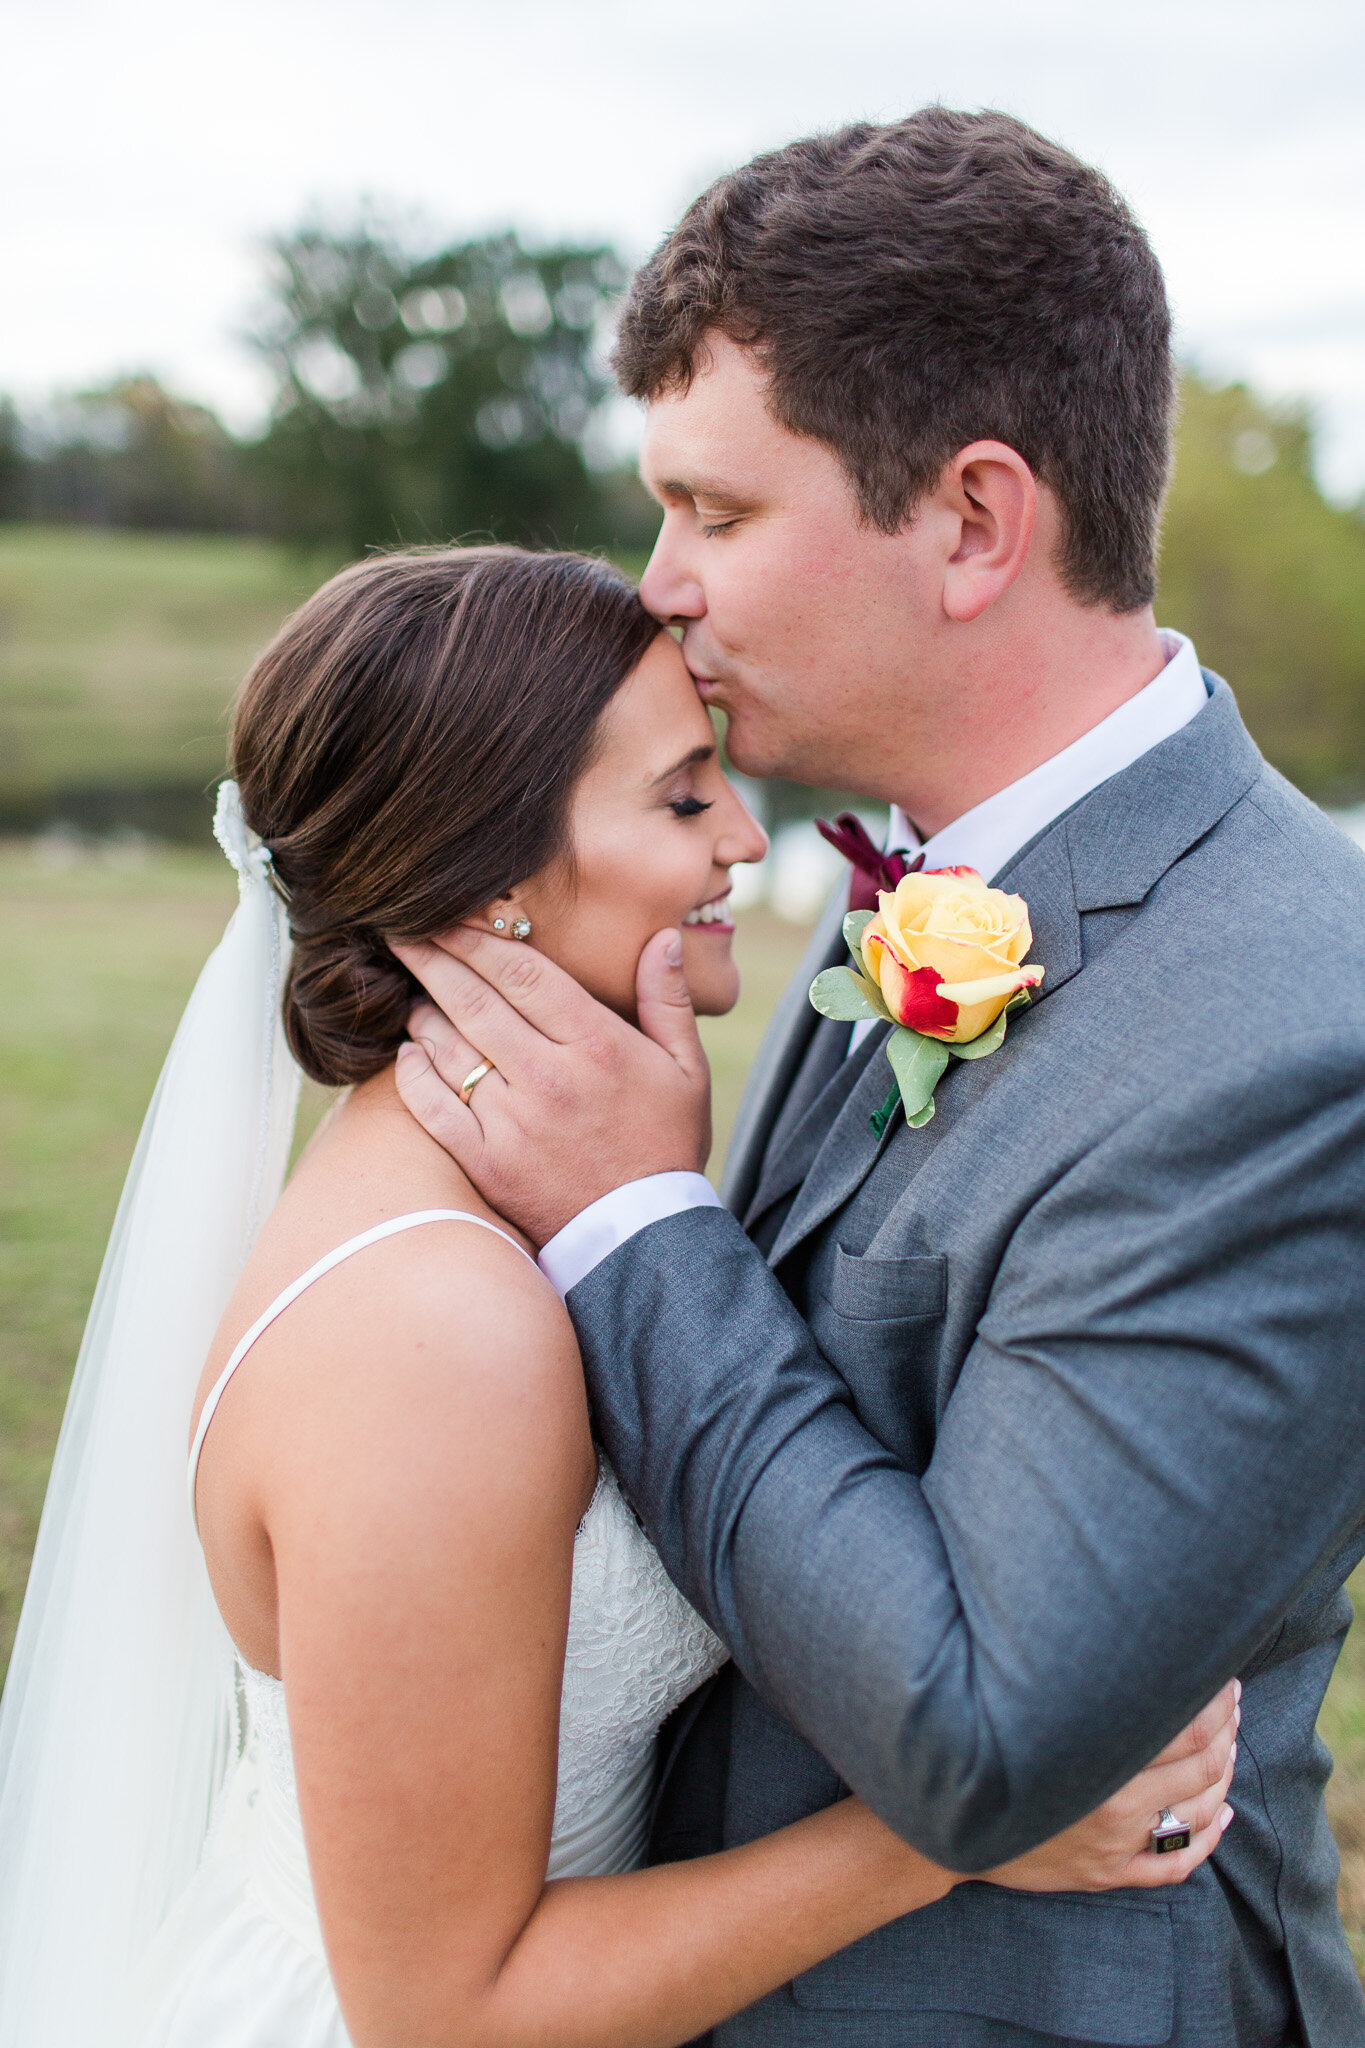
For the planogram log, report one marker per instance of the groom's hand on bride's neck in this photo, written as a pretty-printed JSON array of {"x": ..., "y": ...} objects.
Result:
[{"x": 578, "y": 1102}]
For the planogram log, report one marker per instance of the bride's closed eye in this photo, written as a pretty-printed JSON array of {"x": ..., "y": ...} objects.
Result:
[{"x": 690, "y": 806}]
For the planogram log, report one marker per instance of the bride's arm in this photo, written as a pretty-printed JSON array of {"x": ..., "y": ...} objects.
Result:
[{"x": 421, "y": 1469}]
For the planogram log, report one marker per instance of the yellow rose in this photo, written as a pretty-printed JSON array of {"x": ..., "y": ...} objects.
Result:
[{"x": 947, "y": 952}]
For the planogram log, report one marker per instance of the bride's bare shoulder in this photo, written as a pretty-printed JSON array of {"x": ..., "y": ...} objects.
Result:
[
  {"x": 423, "y": 1397},
  {"x": 445, "y": 1327},
  {"x": 450, "y": 1308}
]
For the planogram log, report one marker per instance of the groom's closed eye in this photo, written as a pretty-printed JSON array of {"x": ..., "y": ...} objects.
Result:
[{"x": 716, "y": 504}]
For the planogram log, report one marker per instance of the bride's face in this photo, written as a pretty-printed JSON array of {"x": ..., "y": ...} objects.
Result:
[{"x": 655, "y": 830}]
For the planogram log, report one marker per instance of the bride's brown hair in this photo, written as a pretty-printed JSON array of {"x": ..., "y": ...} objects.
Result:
[{"x": 408, "y": 747}]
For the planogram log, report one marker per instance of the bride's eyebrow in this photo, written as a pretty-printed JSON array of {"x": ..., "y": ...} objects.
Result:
[{"x": 692, "y": 760}]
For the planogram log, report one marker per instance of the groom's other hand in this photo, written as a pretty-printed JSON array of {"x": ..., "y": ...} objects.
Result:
[{"x": 579, "y": 1102}]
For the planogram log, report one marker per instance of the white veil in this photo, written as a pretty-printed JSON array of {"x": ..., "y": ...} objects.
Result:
[{"x": 118, "y": 1722}]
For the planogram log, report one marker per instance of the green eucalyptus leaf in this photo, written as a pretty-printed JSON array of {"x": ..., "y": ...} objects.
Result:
[
  {"x": 990, "y": 1040},
  {"x": 1020, "y": 1001},
  {"x": 880, "y": 1118},
  {"x": 845, "y": 996},
  {"x": 917, "y": 1063},
  {"x": 874, "y": 995},
  {"x": 921, "y": 1116},
  {"x": 855, "y": 924}
]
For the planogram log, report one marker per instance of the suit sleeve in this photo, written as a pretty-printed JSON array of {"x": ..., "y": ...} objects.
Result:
[{"x": 1157, "y": 1434}]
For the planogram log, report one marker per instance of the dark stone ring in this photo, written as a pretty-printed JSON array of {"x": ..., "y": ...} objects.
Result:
[{"x": 1169, "y": 1834}]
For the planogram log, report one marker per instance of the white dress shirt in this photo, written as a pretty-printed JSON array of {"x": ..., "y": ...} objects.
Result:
[{"x": 985, "y": 838}]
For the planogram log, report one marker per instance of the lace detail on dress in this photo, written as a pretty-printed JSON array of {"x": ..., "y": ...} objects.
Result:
[
  {"x": 268, "y": 1724},
  {"x": 635, "y": 1650}
]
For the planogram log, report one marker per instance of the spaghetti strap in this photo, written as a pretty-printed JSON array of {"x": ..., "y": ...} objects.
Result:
[{"x": 305, "y": 1280}]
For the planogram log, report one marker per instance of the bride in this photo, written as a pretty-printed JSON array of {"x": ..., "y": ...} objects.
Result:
[{"x": 353, "y": 1739}]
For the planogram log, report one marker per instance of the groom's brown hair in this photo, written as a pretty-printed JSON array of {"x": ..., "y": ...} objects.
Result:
[{"x": 911, "y": 288}]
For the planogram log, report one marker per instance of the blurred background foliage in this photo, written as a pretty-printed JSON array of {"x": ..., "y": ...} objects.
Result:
[
  {"x": 416, "y": 396},
  {"x": 436, "y": 397},
  {"x": 1268, "y": 579},
  {"x": 462, "y": 392},
  {"x": 129, "y": 454}
]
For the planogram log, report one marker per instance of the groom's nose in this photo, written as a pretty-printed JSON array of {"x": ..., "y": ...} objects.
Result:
[{"x": 668, "y": 588}]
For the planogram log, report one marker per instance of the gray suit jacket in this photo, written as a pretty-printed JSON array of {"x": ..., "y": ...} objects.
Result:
[{"x": 993, "y": 1448}]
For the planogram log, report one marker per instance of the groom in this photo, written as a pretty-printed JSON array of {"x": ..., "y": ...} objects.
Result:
[{"x": 992, "y": 1447}]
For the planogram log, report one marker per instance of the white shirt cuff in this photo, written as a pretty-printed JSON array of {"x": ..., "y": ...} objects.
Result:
[{"x": 597, "y": 1230}]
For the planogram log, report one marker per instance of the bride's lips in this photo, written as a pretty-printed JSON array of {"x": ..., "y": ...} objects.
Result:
[{"x": 711, "y": 916}]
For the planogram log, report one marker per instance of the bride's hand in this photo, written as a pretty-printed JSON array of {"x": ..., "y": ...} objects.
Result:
[{"x": 1109, "y": 1848}]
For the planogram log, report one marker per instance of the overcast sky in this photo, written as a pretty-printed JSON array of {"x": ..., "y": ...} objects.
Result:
[{"x": 148, "y": 147}]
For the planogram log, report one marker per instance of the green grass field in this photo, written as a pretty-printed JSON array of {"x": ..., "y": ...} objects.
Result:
[
  {"x": 120, "y": 652},
  {"x": 119, "y": 656},
  {"x": 99, "y": 954}
]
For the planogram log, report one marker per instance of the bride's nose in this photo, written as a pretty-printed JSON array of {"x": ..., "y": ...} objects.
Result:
[{"x": 742, "y": 839}]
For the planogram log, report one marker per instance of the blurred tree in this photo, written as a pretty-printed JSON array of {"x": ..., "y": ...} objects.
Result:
[
  {"x": 442, "y": 395},
  {"x": 1268, "y": 579},
  {"x": 14, "y": 465},
  {"x": 131, "y": 454}
]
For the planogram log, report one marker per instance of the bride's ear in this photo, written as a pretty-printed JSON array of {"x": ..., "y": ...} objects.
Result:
[{"x": 504, "y": 917}]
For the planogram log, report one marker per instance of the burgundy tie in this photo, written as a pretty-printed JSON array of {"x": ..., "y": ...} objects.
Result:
[{"x": 872, "y": 869}]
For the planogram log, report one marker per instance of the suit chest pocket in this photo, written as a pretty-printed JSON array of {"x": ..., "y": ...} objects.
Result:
[
  {"x": 872, "y": 1290},
  {"x": 880, "y": 1321}
]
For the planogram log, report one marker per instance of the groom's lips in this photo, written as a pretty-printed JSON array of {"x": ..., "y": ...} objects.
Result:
[{"x": 704, "y": 683}]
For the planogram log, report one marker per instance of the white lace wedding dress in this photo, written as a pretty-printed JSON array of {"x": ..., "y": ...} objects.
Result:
[{"x": 241, "y": 1963}]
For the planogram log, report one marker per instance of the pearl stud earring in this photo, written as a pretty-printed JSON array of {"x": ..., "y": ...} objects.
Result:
[
  {"x": 499, "y": 924},
  {"x": 521, "y": 928}
]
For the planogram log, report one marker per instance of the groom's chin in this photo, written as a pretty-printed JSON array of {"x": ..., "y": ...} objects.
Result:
[
  {"x": 752, "y": 753},
  {"x": 759, "y": 743}
]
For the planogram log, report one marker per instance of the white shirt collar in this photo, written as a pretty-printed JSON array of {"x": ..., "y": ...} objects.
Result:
[{"x": 988, "y": 836}]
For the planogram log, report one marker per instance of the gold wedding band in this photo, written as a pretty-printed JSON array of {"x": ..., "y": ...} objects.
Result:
[{"x": 471, "y": 1081}]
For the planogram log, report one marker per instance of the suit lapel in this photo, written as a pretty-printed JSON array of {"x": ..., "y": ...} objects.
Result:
[
  {"x": 822, "y": 1086},
  {"x": 1124, "y": 837},
  {"x": 849, "y": 1148},
  {"x": 1109, "y": 850},
  {"x": 1042, "y": 875}
]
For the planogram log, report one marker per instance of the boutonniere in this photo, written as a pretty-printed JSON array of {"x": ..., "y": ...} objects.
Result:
[{"x": 942, "y": 958}]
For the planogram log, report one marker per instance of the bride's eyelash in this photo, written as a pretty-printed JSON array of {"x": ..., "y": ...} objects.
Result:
[{"x": 689, "y": 806}]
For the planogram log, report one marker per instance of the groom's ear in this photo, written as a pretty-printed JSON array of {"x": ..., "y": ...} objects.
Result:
[{"x": 992, "y": 497}]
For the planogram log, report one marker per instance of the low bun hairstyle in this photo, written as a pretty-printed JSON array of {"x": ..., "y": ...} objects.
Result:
[{"x": 408, "y": 748}]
